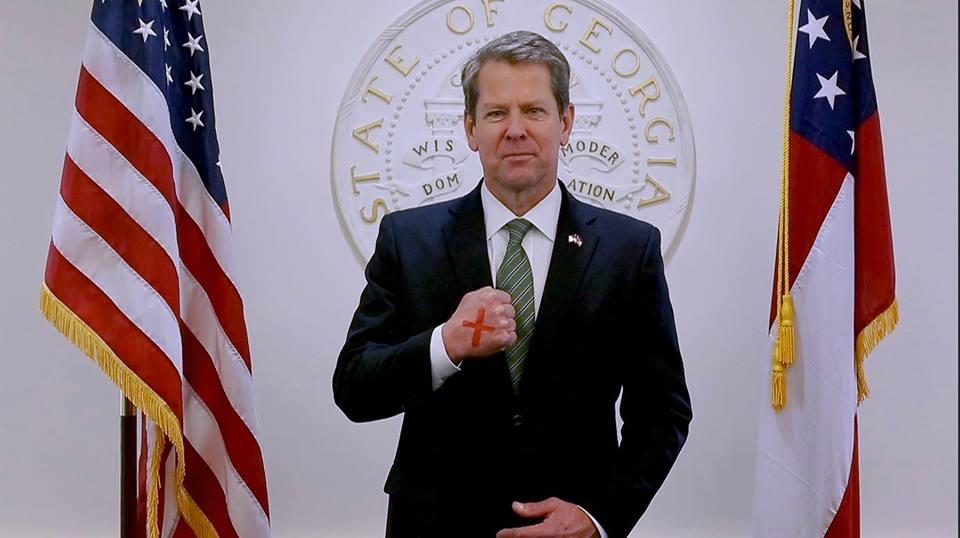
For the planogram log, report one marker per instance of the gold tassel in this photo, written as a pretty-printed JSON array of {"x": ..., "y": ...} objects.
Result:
[
  {"x": 153, "y": 491},
  {"x": 778, "y": 380},
  {"x": 778, "y": 387},
  {"x": 786, "y": 335}
]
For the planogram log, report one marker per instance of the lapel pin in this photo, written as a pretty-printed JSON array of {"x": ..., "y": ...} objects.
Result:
[{"x": 575, "y": 239}]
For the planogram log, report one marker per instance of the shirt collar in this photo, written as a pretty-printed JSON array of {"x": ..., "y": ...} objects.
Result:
[{"x": 543, "y": 216}]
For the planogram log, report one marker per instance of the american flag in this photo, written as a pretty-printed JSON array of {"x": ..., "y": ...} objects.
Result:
[
  {"x": 140, "y": 272},
  {"x": 835, "y": 265}
]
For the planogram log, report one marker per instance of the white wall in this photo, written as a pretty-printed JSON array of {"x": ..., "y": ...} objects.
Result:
[{"x": 280, "y": 71}]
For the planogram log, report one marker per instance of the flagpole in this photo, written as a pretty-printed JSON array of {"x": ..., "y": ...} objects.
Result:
[{"x": 128, "y": 468}]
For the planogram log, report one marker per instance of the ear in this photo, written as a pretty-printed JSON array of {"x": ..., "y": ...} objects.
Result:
[
  {"x": 469, "y": 127},
  {"x": 566, "y": 119}
]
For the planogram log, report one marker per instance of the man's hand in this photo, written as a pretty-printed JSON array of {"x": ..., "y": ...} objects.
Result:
[
  {"x": 482, "y": 325},
  {"x": 560, "y": 520}
]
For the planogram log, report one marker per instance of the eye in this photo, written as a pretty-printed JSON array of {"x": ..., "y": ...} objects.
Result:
[
  {"x": 536, "y": 111},
  {"x": 494, "y": 114}
]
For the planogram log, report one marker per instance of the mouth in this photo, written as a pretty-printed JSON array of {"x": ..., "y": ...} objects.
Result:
[{"x": 517, "y": 156}]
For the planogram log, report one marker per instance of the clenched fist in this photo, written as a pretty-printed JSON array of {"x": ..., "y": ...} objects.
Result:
[{"x": 482, "y": 325}]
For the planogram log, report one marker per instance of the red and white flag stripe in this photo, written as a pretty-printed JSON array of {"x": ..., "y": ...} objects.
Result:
[
  {"x": 140, "y": 276},
  {"x": 806, "y": 449}
]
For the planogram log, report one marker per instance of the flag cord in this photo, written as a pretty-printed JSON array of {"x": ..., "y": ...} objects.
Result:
[{"x": 783, "y": 348}]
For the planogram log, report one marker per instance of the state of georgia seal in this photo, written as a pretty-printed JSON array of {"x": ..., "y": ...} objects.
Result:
[{"x": 399, "y": 140}]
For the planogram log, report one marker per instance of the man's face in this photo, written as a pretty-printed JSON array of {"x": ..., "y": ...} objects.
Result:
[{"x": 517, "y": 130}]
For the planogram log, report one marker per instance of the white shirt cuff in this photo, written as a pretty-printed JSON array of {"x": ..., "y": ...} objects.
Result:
[
  {"x": 440, "y": 365},
  {"x": 603, "y": 533}
]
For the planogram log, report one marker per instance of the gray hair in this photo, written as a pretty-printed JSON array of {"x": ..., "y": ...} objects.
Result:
[{"x": 518, "y": 47}]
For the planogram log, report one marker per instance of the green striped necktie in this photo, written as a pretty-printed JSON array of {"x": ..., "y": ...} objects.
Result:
[{"x": 516, "y": 278}]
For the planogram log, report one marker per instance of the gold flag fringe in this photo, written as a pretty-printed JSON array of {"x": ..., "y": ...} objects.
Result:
[
  {"x": 187, "y": 505},
  {"x": 153, "y": 481},
  {"x": 868, "y": 339},
  {"x": 87, "y": 340}
]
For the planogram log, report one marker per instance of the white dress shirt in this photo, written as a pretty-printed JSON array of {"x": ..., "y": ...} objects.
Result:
[{"x": 538, "y": 245}]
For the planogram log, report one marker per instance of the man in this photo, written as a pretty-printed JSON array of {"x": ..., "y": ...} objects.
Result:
[{"x": 508, "y": 392}]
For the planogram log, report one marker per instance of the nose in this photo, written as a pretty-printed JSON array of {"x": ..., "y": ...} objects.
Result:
[{"x": 516, "y": 130}]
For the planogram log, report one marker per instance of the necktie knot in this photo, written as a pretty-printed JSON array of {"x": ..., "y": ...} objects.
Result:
[{"x": 518, "y": 228}]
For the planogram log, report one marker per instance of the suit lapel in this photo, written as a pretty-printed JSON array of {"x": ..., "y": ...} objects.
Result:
[
  {"x": 573, "y": 249},
  {"x": 466, "y": 240}
]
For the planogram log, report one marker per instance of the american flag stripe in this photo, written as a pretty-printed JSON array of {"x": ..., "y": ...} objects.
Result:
[
  {"x": 201, "y": 313},
  {"x": 84, "y": 299},
  {"x": 106, "y": 167},
  {"x": 140, "y": 272},
  {"x": 235, "y": 377},
  {"x": 221, "y": 293},
  {"x": 199, "y": 258},
  {"x": 203, "y": 433},
  {"x": 113, "y": 120},
  {"x": 86, "y": 250},
  {"x": 132, "y": 243},
  {"x": 204, "y": 487},
  {"x": 194, "y": 247},
  {"x": 198, "y": 316},
  {"x": 240, "y": 443},
  {"x": 138, "y": 93},
  {"x": 125, "y": 134}
]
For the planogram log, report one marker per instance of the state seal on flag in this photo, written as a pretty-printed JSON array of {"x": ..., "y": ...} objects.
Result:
[{"x": 399, "y": 140}]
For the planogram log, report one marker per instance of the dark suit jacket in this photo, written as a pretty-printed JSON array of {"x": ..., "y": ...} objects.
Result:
[{"x": 469, "y": 448}]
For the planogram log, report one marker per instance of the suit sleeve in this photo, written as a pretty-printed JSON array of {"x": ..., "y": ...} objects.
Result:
[
  {"x": 382, "y": 369},
  {"x": 655, "y": 406}
]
